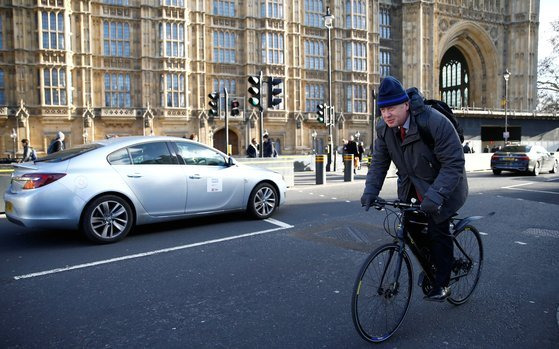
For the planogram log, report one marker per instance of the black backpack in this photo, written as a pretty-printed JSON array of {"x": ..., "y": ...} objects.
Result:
[{"x": 422, "y": 118}]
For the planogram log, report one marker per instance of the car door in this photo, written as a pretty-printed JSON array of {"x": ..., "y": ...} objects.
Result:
[
  {"x": 212, "y": 185},
  {"x": 154, "y": 175},
  {"x": 545, "y": 157}
]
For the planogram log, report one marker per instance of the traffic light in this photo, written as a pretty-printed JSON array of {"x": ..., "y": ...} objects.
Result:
[
  {"x": 235, "y": 107},
  {"x": 320, "y": 109},
  {"x": 255, "y": 91},
  {"x": 214, "y": 104},
  {"x": 273, "y": 91}
]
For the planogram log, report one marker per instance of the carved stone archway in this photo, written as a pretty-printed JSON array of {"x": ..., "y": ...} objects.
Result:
[{"x": 480, "y": 53}]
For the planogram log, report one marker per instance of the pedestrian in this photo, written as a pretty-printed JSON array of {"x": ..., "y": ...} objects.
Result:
[
  {"x": 252, "y": 149},
  {"x": 486, "y": 149},
  {"x": 268, "y": 147},
  {"x": 467, "y": 148},
  {"x": 57, "y": 143},
  {"x": 435, "y": 176},
  {"x": 29, "y": 154},
  {"x": 193, "y": 137},
  {"x": 352, "y": 149},
  {"x": 361, "y": 150}
]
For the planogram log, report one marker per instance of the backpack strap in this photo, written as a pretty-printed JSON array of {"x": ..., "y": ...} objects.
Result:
[{"x": 422, "y": 120}]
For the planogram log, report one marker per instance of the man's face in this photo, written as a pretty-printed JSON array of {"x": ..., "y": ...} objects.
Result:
[{"x": 395, "y": 115}]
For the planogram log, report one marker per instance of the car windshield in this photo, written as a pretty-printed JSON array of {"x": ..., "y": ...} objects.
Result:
[
  {"x": 516, "y": 149},
  {"x": 69, "y": 153}
]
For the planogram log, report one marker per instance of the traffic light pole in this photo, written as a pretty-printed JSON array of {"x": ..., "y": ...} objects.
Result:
[{"x": 226, "y": 121}]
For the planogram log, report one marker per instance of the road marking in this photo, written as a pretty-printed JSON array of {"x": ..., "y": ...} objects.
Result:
[
  {"x": 482, "y": 233},
  {"x": 334, "y": 198},
  {"x": 281, "y": 226},
  {"x": 520, "y": 243},
  {"x": 513, "y": 187},
  {"x": 2, "y": 215}
]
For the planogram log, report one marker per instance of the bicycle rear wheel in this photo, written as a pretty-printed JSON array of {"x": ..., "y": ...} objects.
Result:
[
  {"x": 379, "y": 304},
  {"x": 468, "y": 261}
]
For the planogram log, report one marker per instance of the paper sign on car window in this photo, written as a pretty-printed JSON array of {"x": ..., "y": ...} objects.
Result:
[{"x": 214, "y": 185}]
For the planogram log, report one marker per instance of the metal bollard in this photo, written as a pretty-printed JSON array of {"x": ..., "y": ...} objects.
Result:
[
  {"x": 348, "y": 168},
  {"x": 369, "y": 160},
  {"x": 320, "y": 168}
]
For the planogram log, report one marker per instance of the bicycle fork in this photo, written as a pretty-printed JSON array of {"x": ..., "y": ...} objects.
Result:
[{"x": 394, "y": 285}]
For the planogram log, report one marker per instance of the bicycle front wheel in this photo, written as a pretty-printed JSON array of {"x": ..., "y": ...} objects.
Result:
[
  {"x": 380, "y": 302},
  {"x": 466, "y": 268}
]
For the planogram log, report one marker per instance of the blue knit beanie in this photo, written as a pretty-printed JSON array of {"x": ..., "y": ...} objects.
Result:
[{"x": 391, "y": 93}]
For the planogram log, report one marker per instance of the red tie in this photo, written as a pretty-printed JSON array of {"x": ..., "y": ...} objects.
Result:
[{"x": 402, "y": 133}]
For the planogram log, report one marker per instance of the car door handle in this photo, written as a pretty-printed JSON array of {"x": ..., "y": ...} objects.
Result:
[
  {"x": 196, "y": 176},
  {"x": 134, "y": 175}
]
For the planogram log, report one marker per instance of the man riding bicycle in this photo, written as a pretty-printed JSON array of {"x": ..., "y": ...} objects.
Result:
[{"x": 434, "y": 175}]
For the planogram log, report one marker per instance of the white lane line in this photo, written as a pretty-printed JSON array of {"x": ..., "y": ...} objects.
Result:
[
  {"x": 514, "y": 187},
  {"x": 482, "y": 233},
  {"x": 347, "y": 201},
  {"x": 281, "y": 226},
  {"x": 520, "y": 243},
  {"x": 518, "y": 185},
  {"x": 334, "y": 198},
  {"x": 2, "y": 215}
]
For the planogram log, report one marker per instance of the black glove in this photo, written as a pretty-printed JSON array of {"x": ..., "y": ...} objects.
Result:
[
  {"x": 367, "y": 200},
  {"x": 429, "y": 207}
]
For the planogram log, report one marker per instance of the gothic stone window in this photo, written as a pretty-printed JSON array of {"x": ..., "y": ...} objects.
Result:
[
  {"x": 230, "y": 85},
  {"x": 384, "y": 17},
  {"x": 314, "y": 55},
  {"x": 272, "y": 48},
  {"x": 356, "y": 12},
  {"x": 2, "y": 88},
  {"x": 384, "y": 62},
  {"x": 117, "y": 90},
  {"x": 173, "y": 90},
  {"x": 314, "y": 95},
  {"x": 314, "y": 11},
  {"x": 171, "y": 36},
  {"x": 52, "y": 29},
  {"x": 271, "y": 8},
  {"x": 454, "y": 79},
  {"x": 116, "y": 39},
  {"x": 224, "y": 8},
  {"x": 356, "y": 56},
  {"x": 225, "y": 44},
  {"x": 54, "y": 84},
  {"x": 356, "y": 98}
]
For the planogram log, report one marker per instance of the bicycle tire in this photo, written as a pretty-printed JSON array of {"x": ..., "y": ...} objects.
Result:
[
  {"x": 373, "y": 300},
  {"x": 465, "y": 273}
]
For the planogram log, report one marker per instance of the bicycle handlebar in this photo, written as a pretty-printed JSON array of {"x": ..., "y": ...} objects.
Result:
[{"x": 395, "y": 203}]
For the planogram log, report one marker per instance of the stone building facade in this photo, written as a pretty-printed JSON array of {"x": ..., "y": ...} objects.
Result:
[{"x": 95, "y": 69}]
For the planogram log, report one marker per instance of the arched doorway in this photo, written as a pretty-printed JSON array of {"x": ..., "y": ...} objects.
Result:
[
  {"x": 219, "y": 141},
  {"x": 454, "y": 79}
]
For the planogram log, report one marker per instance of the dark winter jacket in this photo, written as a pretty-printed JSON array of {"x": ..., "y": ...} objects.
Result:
[{"x": 438, "y": 174}]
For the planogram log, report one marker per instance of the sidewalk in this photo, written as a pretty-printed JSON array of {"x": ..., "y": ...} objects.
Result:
[{"x": 308, "y": 178}]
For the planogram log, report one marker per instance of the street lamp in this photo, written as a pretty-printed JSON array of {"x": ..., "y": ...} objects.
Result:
[
  {"x": 13, "y": 136},
  {"x": 506, "y": 76},
  {"x": 328, "y": 23},
  {"x": 313, "y": 135}
]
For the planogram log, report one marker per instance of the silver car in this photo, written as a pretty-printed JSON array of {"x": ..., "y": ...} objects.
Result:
[{"x": 106, "y": 188}]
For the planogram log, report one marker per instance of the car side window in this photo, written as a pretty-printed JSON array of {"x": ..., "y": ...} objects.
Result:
[
  {"x": 119, "y": 157},
  {"x": 156, "y": 153},
  {"x": 196, "y": 154}
]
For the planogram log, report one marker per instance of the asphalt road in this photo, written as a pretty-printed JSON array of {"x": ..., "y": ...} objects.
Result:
[{"x": 231, "y": 282}]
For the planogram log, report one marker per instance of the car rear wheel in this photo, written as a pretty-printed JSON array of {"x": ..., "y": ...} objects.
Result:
[
  {"x": 536, "y": 170},
  {"x": 554, "y": 167},
  {"x": 107, "y": 219},
  {"x": 496, "y": 172},
  {"x": 262, "y": 201}
]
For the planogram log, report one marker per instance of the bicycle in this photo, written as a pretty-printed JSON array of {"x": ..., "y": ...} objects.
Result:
[{"x": 383, "y": 289}]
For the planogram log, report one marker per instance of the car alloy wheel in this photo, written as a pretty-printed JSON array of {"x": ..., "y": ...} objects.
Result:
[
  {"x": 263, "y": 201},
  {"x": 107, "y": 219}
]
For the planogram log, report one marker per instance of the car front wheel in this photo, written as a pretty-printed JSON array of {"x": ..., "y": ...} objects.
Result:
[
  {"x": 496, "y": 172},
  {"x": 263, "y": 201},
  {"x": 107, "y": 219},
  {"x": 555, "y": 167}
]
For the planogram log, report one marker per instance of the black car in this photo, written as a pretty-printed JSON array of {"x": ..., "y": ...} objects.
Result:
[{"x": 524, "y": 158}]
